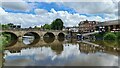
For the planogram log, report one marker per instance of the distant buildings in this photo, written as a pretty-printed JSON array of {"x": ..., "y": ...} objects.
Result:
[
  {"x": 87, "y": 26},
  {"x": 72, "y": 29},
  {"x": 90, "y": 26},
  {"x": 113, "y": 25}
]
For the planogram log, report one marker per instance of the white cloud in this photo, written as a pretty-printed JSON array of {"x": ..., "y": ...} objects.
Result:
[
  {"x": 18, "y": 5},
  {"x": 92, "y": 7},
  {"x": 2, "y": 11},
  {"x": 42, "y": 16},
  {"x": 40, "y": 11}
]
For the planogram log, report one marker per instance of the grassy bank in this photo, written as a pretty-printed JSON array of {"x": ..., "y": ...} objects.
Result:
[
  {"x": 109, "y": 38},
  {"x": 108, "y": 35}
]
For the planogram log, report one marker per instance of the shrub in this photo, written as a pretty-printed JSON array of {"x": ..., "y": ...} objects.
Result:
[
  {"x": 110, "y": 36},
  {"x": 118, "y": 35}
]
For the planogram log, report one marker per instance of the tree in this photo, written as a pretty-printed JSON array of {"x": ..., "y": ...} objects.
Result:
[
  {"x": 35, "y": 27},
  {"x": 10, "y": 24},
  {"x": 46, "y": 26},
  {"x": 57, "y": 24},
  {"x": 110, "y": 36}
]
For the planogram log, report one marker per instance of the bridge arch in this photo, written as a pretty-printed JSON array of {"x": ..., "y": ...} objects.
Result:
[
  {"x": 36, "y": 37},
  {"x": 12, "y": 38},
  {"x": 61, "y": 36},
  {"x": 49, "y": 37}
]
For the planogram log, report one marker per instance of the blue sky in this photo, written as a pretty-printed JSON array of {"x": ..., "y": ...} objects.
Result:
[
  {"x": 40, "y": 13},
  {"x": 48, "y": 7},
  {"x": 43, "y": 5}
]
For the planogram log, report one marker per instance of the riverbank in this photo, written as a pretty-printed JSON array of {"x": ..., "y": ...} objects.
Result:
[
  {"x": 103, "y": 34},
  {"x": 112, "y": 38}
]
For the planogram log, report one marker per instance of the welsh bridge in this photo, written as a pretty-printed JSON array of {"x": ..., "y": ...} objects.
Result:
[{"x": 18, "y": 34}]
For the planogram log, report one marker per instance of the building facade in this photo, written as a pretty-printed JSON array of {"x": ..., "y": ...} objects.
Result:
[
  {"x": 113, "y": 25},
  {"x": 87, "y": 26}
]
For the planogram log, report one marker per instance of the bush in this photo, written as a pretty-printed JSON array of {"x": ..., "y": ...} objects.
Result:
[
  {"x": 4, "y": 39},
  {"x": 110, "y": 36},
  {"x": 118, "y": 35}
]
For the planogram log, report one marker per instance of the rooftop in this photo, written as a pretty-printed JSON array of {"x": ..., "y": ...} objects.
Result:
[{"x": 106, "y": 23}]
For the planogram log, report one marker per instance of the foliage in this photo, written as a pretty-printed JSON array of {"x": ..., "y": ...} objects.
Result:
[
  {"x": 35, "y": 27},
  {"x": 7, "y": 26},
  {"x": 46, "y": 26},
  {"x": 4, "y": 39},
  {"x": 57, "y": 24},
  {"x": 110, "y": 36},
  {"x": 99, "y": 36},
  {"x": 118, "y": 36}
]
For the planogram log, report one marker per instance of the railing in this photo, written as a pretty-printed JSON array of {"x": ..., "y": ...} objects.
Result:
[{"x": 90, "y": 33}]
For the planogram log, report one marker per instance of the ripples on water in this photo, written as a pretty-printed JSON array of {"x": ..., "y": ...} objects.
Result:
[{"x": 61, "y": 54}]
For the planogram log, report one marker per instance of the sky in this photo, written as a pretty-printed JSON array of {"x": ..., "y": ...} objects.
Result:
[{"x": 39, "y": 12}]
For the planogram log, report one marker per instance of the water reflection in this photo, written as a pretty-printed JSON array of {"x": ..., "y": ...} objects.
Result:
[
  {"x": 108, "y": 43},
  {"x": 61, "y": 39},
  {"x": 58, "y": 48},
  {"x": 62, "y": 54},
  {"x": 48, "y": 40},
  {"x": 28, "y": 39},
  {"x": 31, "y": 38},
  {"x": 49, "y": 37}
]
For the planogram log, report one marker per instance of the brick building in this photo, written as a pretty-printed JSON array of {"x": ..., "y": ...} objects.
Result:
[{"x": 87, "y": 26}]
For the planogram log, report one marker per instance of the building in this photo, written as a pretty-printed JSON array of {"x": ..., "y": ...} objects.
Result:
[
  {"x": 87, "y": 26},
  {"x": 113, "y": 25},
  {"x": 72, "y": 31}
]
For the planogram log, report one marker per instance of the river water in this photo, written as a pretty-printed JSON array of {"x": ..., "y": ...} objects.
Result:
[{"x": 65, "y": 53}]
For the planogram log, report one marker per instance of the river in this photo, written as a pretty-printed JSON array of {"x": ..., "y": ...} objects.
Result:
[{"x": 65, "y": 53}]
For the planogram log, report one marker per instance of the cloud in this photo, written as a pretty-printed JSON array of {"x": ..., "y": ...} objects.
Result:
[
  {"x": 42, "y": 17},
  {"x": 2, "y": 11},
  {"x": 92, "y": 7},
  {"x": 19, "y": 5},
  {"x": 67, "y": 0},
  {"x": 40, "y": 11}
]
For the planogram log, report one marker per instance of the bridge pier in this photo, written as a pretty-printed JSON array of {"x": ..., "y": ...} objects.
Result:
[
  {"x": 56, "y": 37},
  {"x": 41, "y": 37},
  {"x": 20, "y": 38}
]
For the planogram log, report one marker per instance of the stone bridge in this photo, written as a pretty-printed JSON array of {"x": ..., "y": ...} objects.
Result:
[{"x": 38, "y": 34}]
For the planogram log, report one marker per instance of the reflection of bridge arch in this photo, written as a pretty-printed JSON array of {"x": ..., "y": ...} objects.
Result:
[
  {"x": 61, "y": 36},
  {"x": 49, "y": 37},
  {"x": 36, "y": 37}
]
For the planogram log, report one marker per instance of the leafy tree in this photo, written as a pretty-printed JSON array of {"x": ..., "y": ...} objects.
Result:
[
  {"x": 7, "y": 26},
  {"x": 110, "y": 36},
  {"x": 10, "y": 24},
  {"x": 46, "y": 26},
  {"x": 35, "y": 27},
  {"x": 57, "y": 24}
]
